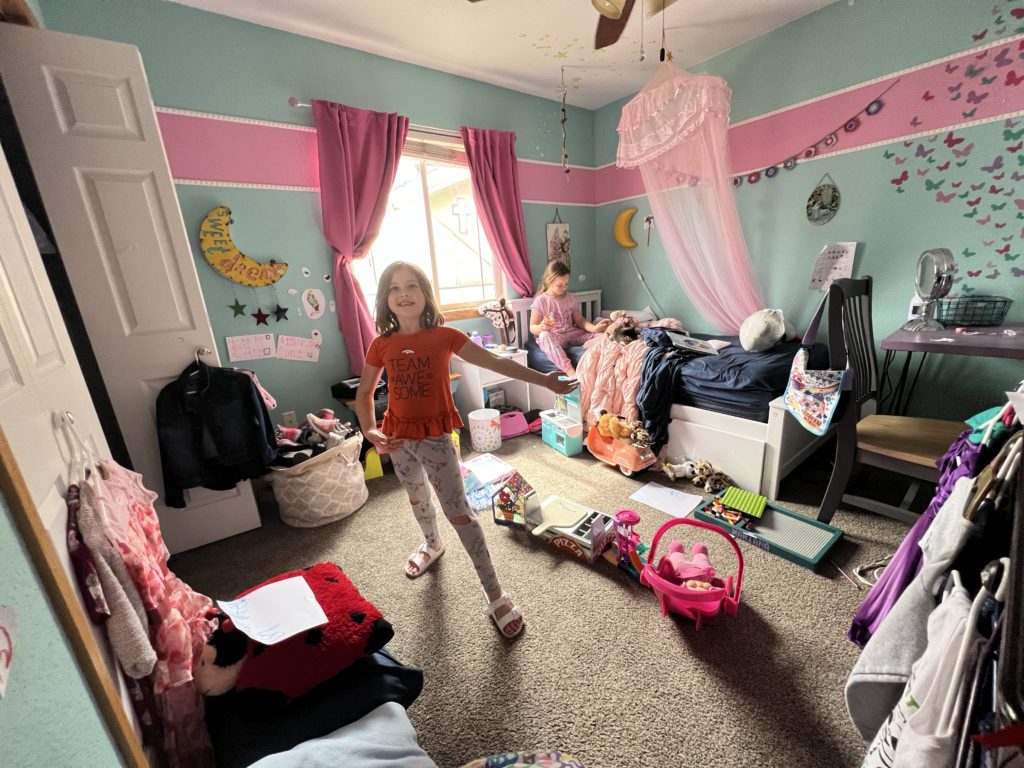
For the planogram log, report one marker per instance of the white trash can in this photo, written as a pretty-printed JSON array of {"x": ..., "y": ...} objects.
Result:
[{"x": 485, "y": 430}]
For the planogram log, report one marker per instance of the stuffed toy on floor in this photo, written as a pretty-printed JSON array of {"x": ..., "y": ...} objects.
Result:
[{"x": 267, "y": 677}]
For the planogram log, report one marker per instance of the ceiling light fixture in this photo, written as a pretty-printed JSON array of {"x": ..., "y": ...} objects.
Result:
[{"x": 610, "y": 8}]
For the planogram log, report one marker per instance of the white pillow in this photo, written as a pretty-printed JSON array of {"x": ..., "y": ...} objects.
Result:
[{"x": 763, "y": 330}]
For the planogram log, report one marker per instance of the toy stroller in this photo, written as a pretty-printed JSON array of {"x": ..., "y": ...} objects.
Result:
[{"x": 705, "y": 604}]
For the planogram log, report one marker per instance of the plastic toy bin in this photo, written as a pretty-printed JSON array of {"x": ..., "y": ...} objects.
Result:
[
  {"x": 561, "y": 433},
  {"x": 485, "y": 430}
]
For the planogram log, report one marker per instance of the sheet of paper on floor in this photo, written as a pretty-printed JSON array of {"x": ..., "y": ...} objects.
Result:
[
  {"x": 668, "y": 500},
  {"x": 277, "y": 611}
]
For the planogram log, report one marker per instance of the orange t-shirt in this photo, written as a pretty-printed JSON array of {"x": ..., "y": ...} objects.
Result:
[{"x": 419, "y": 390}]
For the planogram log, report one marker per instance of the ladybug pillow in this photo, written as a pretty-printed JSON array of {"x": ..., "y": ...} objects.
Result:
[{"x": 269, "y": 676}]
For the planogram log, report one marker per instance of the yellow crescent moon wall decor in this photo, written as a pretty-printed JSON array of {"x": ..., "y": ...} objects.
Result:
[
  {"x": 621, "y": 228},
  {"x": 223, "y": 255}
]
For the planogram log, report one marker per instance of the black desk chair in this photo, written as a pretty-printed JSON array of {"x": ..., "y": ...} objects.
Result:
[{"x": 905, "y": 445}]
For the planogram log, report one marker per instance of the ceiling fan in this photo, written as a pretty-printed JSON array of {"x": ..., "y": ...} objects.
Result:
[{"x": 615, "y": 15}]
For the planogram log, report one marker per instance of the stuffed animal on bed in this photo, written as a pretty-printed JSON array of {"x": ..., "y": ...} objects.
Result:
[
  {"x": 623, "y": 328},
  {"x": 269, "y": 676}
]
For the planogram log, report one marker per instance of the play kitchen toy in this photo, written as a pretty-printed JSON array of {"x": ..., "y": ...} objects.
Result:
[{"x": 561, "y": 427}]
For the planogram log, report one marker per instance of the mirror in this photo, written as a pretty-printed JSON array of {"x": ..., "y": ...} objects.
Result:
[{"x": 935, "y": 270}]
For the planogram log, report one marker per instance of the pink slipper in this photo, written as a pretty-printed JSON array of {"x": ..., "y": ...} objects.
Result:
[{"x": 423, "y": 558}]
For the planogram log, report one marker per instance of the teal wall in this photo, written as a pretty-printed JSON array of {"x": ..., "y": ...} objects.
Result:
[
  {"x": 209, "y": 63},
  {"x": 47, "y": 716},
  {"x": 840, "y": 46}
]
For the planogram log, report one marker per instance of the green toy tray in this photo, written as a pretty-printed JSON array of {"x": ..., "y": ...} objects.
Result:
[{"x": 780, "y": 531}]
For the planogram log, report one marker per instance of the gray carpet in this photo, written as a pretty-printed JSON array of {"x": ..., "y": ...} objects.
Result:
[{"x": 598, "y": 672}]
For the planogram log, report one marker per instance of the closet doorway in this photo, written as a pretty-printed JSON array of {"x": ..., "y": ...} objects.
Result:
[{"x": 87, "y": 121}]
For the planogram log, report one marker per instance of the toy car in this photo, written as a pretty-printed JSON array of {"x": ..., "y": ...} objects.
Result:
[{"x": 619, "y": 452}]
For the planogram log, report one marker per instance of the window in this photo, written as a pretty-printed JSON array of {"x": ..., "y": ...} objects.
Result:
[{"x": 432, "y": 222}]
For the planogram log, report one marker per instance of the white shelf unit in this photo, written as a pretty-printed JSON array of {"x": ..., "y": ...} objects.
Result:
[{"x": 470, "y": 393}]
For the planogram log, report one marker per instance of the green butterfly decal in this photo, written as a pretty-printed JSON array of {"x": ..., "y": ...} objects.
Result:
[
  {"x": 901, "y": 190},
  {"x": 961, "y": 164},
  {"x": 1008, "y": 257},
  {"x": 989, "y": 80},
  {"x": 968, "y": 253},
  {"x": 964, "y": 195},
  {"x": 1020, "y": 159},
  {"x": 955, "y": 98},
  {"x": 998, "y": 207},
  {"x": 998, "y": 21},
  {"x": 888, "y": 155},
  {"x": 1020, "y": 215},
  {"x": 929, "y": 185},
  {"x": 1009, "y": 135},
  {"x": 969, "y": 114},
  {"x": 973, "y": 71},
  {"x": 972, "y": 214}
]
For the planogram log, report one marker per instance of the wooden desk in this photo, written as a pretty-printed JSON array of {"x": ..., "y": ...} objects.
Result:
[{"x": 977, "y": 342}]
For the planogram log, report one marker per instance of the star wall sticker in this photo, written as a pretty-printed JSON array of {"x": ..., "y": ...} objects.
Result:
[
  {"x": 281, "y": 313},
  {"x": 237, "y": 307},
  {"x": 261, "y": 316}
]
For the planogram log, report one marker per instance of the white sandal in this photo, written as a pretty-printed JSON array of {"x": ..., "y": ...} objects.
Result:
[
  {"x": 423, "y": 558},
  {"x": 508, "y": 617}
]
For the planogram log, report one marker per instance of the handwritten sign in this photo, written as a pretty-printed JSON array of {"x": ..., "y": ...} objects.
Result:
[
  {"x": 6, "y": 645},
  {"x": 298, "y": 348},
  {"x": 255, "y": 346},
  {"x": 276, "y": 611}
]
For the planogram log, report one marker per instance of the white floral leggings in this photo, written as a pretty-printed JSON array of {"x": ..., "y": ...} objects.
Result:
[{"x": 421, "y": 464}]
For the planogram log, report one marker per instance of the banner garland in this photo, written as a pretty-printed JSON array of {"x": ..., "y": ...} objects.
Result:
[{"x": 827, "y": 141}]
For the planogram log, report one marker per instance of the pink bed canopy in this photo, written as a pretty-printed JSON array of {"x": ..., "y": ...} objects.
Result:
[{"x": 676, "y": 132}]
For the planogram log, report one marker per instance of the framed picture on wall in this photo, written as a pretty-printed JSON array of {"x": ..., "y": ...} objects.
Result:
[{"x": 558, "y": 240}]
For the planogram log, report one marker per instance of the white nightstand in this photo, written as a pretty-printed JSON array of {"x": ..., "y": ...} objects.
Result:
[{"x": 470, "y": 394}]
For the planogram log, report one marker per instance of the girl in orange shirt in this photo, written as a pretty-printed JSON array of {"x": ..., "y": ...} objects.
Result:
[{"x": 415, "y": 348}]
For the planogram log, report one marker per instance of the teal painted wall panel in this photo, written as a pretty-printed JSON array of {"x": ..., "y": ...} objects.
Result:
[
  {"x": 47, "y": 716},
  {"x": 211, "y": 63}
]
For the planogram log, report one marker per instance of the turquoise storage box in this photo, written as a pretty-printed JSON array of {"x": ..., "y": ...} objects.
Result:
[{"x": 561, "y": 433}]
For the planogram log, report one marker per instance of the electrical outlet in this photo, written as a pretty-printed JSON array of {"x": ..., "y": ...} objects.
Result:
[{"x": 288, "y": 417}]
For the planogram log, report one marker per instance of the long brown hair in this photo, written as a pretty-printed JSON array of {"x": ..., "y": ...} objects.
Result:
[
  {"x": 554, "y": 270},
  {"x": 385, "y": 319}
]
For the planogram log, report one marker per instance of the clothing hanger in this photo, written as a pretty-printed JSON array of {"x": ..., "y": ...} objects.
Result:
[
  {"x": 1010, "y": 707},
  {"x": 991, "y": 423}
]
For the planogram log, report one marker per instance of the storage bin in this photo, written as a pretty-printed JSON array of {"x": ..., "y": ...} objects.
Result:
[
  {"x": 561, "y": 433},
  {"x": 973, "y": 310},
  {"x": 485, "y": 430},
  {"x": 322, "y": 489}
]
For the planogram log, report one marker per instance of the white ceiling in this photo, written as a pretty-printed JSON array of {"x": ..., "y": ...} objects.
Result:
[{"x": 524, "y": 44}]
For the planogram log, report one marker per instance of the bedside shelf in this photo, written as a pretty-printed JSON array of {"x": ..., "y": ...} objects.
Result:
[{"x": 470, "y": 393}]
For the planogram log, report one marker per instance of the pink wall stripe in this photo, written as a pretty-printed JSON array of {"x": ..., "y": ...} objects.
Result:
[
  {"x": 970, "y": 88},
  {"x": 207, "y": 149}
]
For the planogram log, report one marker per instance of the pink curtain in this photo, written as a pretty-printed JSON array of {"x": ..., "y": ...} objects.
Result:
[
  {"x": 676, "y": 131},
  {"x": 495, "y": 174},
  {"x": 359, "y": 153}
]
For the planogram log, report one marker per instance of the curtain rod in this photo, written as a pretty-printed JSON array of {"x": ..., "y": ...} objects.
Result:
[{"x": 294, "y": 103}]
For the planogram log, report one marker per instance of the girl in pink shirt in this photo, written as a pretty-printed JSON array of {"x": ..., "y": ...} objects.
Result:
[
  {"x": 555, "y": 317},
  {"x": 415, "y": 348}
]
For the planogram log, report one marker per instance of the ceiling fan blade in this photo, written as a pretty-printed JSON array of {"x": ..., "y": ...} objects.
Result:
[{"x": 610, "y": 30}]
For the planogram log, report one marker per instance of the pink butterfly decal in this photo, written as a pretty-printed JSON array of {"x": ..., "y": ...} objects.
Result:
[
  {"x": 950, "y": 141},
  {"x": 993, "y": 276},
  {"x": 1001, "y": 225},
  {"x": 976, "y": 187},
  {"x": 922, "y": 152},
  {"x": 996, "y": 165},
  {"x": 986, "y": 220},
  {"x": 965, "y": 151},
  {"x": 941, "y": 198},
  {"x": 1012, "y": 123},
  {"x": 986, "y": 243},
  {"x": 994, "y": 190},
  {"x": 980, "y": 36},
  {"x": 957, "y": 184},
  {"x": 974, "y": 202},
  {"x": 1018, "y": 13},
  {"x": 915, "y": 121},
  {"x": 1016, "y": 147},
  {"x": 944, "y": 166},
  {"x": 974, "y": 273},
  {"x": 928, "y": 95},
  {"x": 900, "y": 160},
  {"x": 923, "y": 171},
  {"x": 1003, "y": 59},
  {"x": 1004, "y": 249},
  {"x": 973, "y": 97},
  {"x": 900, "y": 179},
  {"x": 954, "y": 88},
  {"x": 1012, "y": 78},
  {"x": 998, "y": 176}
]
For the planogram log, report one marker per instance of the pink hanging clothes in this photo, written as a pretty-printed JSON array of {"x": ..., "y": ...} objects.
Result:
[
  {"x": 178, "y": 626},
  {"x": 676, "y": 132}
]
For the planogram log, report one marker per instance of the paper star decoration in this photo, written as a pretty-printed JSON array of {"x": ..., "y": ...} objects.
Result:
[
  {"x": 239, "y": 309},
  {"x": 281, "y": 313},
  {"x": 261, "y": 316}
]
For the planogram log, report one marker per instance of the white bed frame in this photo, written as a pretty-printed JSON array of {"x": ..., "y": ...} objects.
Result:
[{"x": 757, "y": 455}]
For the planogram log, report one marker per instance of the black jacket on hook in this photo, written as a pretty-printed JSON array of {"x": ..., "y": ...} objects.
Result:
[{"x": 214, "y": 430}]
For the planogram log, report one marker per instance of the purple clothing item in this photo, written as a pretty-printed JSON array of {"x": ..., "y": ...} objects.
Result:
[
  {"x": 84, "y": 566},
  {"x": 963, "y": 459}
]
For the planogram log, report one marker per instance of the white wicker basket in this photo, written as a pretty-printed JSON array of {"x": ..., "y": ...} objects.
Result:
[{"x": 322, "y": 489}]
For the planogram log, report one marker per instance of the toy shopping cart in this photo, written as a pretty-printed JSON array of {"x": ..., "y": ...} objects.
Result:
[{"x": 702, "y": 605}]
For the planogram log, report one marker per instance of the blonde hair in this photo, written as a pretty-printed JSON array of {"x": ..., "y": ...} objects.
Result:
[
  {"x": 385, "y": 319},
  {"x": 553, "y": 271}
]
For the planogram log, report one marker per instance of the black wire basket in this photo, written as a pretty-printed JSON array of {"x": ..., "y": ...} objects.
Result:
[{"x": 973, "y": 310}]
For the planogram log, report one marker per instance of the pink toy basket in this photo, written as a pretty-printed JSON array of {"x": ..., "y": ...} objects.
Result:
[{"x": 703, "y": 606}]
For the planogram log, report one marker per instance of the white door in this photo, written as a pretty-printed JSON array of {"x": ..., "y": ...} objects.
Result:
[
  {"x": 85, "y": 114},
  {"x": 39, "y": 380}
]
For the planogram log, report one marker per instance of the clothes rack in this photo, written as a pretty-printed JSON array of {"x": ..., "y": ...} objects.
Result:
[{"x": 1011, "y": 672}]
